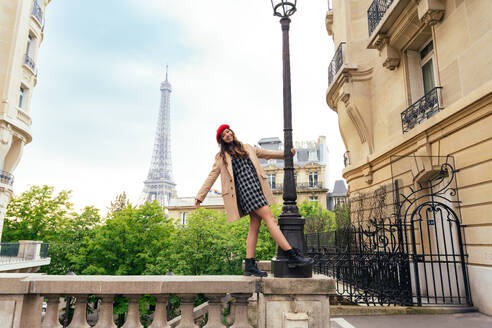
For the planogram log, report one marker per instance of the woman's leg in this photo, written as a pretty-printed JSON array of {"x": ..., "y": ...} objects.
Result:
[
  {"x": 266, "y": 214},
  {"x": 254, "y": 228}
]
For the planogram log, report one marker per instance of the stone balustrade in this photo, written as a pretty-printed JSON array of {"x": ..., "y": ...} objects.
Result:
[{"x": 21, "y": 299}]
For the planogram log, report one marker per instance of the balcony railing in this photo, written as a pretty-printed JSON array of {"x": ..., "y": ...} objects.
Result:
[
  {"x": 228, "y": 299},
  {"x": 23, "y": 252},
  {"x": 421, "y": 110},
  {"x": 346, "y": 158},
  {"x": 300, "y": 186},
  {"x": 376, "y": 11},
  {"x": 336, "y": 63},
  {"x": 6, "y": 178},
  {"x": 29, "y": 62},
  {"x": 37, "y": 12}
]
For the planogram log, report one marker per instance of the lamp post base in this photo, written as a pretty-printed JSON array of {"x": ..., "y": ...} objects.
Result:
[
  {"x": 292, "y": 226},
  {"x": 281, "y": 269}
]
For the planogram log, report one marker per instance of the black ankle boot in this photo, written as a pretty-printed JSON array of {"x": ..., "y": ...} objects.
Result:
[
  {"x": 296, "y": 259},
  {"x": 250, "y": 268}
]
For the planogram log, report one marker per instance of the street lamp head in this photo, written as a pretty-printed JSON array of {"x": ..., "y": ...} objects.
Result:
[{"x": 284, "y": 8}]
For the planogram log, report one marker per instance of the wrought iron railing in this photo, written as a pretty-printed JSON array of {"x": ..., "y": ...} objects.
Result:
[
  {"x": 37, "y": 12},
  {"x": 6, "y": 178},
  {"x": 300, "y": 186},
  {"x": 376, "y": 11},
  {"x": 346, "y": 158},
  {"x": 421, "y": 110},
  {"x": 336, "y": 63},
  {"x": 9, "y": 253},
  {"x": 29, "y": 62}
]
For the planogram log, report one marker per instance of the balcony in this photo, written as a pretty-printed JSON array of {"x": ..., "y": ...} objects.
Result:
[
  {"x": 346, "y": 159},
  {"x": 299, "y": 186},
  {"x": 37, "y": 12},
  {"x": 421, "y": 110},
  {"x": 24, "y": 294},
  {"x": 25, "y": 255},
  {"x": 6, "y": 178},
  {"x": 375, "y": 13},
  {"x": 29, "y": 62},
  {"x": 336, "y": 63}
]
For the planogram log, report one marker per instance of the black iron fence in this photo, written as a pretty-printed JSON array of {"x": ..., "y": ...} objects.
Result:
[
  {"x": 404, "y": 245},
  {"x": 375, "y": 13},
  {"x": 421, "y": 110},
  {"x": 336, "y": 63}
]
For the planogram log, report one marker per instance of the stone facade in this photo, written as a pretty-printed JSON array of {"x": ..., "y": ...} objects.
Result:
[
  {"x": 310, "y": 169},
  {"x": 180, "y": 207},
  {"x": 21, "y": 34},
  {"x": 416, "y": 81}
]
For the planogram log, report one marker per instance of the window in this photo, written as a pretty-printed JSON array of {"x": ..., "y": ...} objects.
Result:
[
  {"x": 30, "y": 45},
  {"x": 22, "y": 97},
  {"x": 313, "y": 179},
  {"x": 271, "y": 180},
  {"x": 313, "y": 198},
  {"x": 427, "y": 68}
]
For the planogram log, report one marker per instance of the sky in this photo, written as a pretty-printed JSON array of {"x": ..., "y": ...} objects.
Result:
[{"x": 95, "y": 106}]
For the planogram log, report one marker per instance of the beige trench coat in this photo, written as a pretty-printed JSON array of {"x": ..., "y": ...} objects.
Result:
[{"x": 227, "y": 179}]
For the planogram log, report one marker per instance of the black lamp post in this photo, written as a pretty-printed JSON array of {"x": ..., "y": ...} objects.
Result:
[{"x": 290, "y": 222}]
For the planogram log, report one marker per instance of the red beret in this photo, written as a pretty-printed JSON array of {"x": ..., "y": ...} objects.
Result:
[{"x": 220, "y": 130}]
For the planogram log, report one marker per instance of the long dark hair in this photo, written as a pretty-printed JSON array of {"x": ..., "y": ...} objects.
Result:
[{"x": 235, "y": 148}]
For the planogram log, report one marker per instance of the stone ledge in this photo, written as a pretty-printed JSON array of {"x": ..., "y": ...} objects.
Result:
[
  {"x": 349, "y": 310},
  {"x": 317, "y": 285},
  {"x": 140, "y": 284}
]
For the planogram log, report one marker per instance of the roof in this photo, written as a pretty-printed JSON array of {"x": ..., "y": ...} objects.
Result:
[
  {"x": 210, "y": 200},
  {"x": 269, "y": 140},
  {"x": 339, "y": 189}
]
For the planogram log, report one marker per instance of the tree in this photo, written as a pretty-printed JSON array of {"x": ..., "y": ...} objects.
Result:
[
  {"x": 36, "y": 214},
  {"x": 120, "y": 203},
  {"x": 317, "y": 218},
  {"x": 128, "y": 243},
  {"x": 68, "y": 239},
  {"x": 342, "y": 214}
]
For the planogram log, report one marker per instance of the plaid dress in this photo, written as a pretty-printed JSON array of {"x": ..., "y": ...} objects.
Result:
[{"x": 248, "y": 188}]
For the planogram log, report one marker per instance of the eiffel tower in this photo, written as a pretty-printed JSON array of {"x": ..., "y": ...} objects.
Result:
[{"x": 159, "y": 184}]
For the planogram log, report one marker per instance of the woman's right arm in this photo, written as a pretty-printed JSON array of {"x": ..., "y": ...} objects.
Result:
[{"x": 212, "y": 176}]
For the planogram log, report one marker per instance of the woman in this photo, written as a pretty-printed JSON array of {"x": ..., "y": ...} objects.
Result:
[{"x": 241, "y": 174}]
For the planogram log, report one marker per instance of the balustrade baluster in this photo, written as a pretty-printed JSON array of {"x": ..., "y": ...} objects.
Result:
[
  {"x": 105, "y": 319},
  {"x": 214, "y": 311},
  {"x": 79, "y": 319},
  {"x": 160, "y": 314},
  {"x": 187, "y": 304},
  {"x": 51, "y": 315},
  {"x": 133, "y": 319},
  {"x": 241, "y": 311}
]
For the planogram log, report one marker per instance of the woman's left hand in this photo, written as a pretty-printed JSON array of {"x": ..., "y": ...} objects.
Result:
[{"x": 293, "y": 151}]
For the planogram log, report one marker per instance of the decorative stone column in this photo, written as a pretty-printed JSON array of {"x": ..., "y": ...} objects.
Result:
[
  {"x": 51, "y": 317},
  {"x": 79, "y": 319},
  {"x": 214, "y": 311},
  {"x": 105, "y": 319},
  {"x": 187, "y": 304},
  {"x": 160, "y": 314},
  {"x": 133, "y": 318},
  {"x": 241, "y": 310}
]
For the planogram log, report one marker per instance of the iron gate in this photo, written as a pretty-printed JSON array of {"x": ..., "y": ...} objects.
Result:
[{"x": 404, "y": 245}]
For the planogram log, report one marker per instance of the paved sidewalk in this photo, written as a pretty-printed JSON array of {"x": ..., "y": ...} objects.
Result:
[{"x": 459, "y": 320}]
